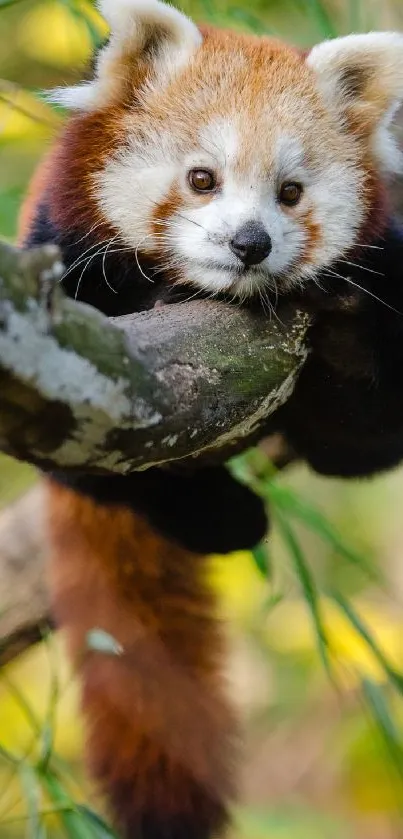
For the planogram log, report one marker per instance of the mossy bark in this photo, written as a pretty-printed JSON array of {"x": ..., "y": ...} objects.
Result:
[{"x": 78, "y": 390}]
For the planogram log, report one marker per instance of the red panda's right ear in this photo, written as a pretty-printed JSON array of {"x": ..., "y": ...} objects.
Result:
[{"x": 149, "y": 42}]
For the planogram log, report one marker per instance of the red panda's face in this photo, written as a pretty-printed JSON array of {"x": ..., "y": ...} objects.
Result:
[
  {"x": 241, "y": 166},
  {"x": 235, "y": 194}
]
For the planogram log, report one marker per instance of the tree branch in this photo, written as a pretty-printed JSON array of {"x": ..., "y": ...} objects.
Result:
[
  {"x": 191, "y": 380},
  {"x": 186, "y": 380},
  {"x": 23, "y": 593}
]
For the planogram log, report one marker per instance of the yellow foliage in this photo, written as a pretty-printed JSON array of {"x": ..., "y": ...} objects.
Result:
[
  {"x": 30, "y": 678},
  {"x": 51, "y": 34},
  {"x": 290, "y": 631},
  {"x": 238, "y": 584},
  {"x": 24, "y": 117}
]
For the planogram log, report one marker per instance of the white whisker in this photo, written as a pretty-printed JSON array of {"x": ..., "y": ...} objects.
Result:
[
  {"x": 364, "y": 290},
  {"x": 360, "y": 267},
  {"x": 80, "y": 259},
  {"x": 372, "y": 247},
  {"x": 103, "y": 265},
  {"x": 88, "y": 262}
]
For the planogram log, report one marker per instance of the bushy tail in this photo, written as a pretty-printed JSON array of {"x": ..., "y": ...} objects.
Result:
[{"x": 160, "y": 734}]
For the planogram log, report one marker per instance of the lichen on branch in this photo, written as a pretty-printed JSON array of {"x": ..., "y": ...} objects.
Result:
[{"x": 188, "y": 380}]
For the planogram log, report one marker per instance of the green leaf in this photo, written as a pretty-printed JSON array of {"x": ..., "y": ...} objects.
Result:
[
  {"x": 262, "y": 559},
  {"x": 358, "y": 624},
  {"x": 270, "y": 604},
  {"x": 256, "y": 470},
  {"x": 309, "y": 588},
  {"x": 102, "y": 830},
  {"x": 73, "y": 822},
  {"x": 313, "y": 518},
  {"x": 46, "y": 744},
  {"x": 32, "y": 792},
  {"x": 379, "y": 707},
  {"x": 48, "y": 728}
]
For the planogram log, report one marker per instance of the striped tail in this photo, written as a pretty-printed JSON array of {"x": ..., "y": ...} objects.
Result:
[{"x": 160, "y": 736}]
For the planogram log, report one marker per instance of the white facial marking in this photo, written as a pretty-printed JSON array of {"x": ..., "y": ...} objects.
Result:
[
  {"x": 249, "y": 195},
  {"x": 306, "y": 131},
  {"x": 290, "y": 154},
  {"x": 292, "y": 137},
  {"x": 195, "y": 240}
]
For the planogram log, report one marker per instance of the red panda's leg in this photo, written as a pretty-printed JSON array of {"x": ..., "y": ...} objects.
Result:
[{"x": 160, "y": 734}]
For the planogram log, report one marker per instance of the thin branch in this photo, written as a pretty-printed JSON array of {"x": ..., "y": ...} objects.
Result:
[{"x": 23, "y": 595}]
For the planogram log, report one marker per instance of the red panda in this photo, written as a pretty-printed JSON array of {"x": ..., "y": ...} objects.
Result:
[{"x": 214, "y": 163}]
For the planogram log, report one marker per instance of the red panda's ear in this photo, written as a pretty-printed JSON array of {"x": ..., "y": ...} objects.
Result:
[
  {"x": 149, "y": 41},
  {"x": 361, "y": 78}
]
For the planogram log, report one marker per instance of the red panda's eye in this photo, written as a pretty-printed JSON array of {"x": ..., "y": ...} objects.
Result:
[
  {"x": 201, "y": 180},
  {"x": 290, "y": 193}
]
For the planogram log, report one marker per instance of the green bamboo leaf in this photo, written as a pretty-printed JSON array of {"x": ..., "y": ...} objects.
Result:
[
  {"x": 360, "y": 627},
  {"x": 379, "y": 707},
  {"x": 261, "y": 557},
  {"x": 32, "y": 792},
  {"x": 72, "y": 820},
  {"x": 101, "y": 829},
  {"x": 257, "y": 471},
  {"x": 270, "y": 604},
  {"x": 47, "y": 740},
  {"x": 48, "y": 728},
  {"x": 313, "y": 518},
  {"x": 308, "y": 586}
]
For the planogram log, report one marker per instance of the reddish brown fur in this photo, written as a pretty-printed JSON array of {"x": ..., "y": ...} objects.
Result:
[
  {"x": 165, "y": 210},
  {"x": 313, "y": 238},
  {"x": 37, "y": 188},
  {"x": 236, "y": 85},
  {"x": 85, "y": 143},
  {"x": 378, "y": 204},
  {"x": 159, "y": 731}
]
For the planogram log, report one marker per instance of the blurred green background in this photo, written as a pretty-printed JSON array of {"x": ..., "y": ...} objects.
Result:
[{"x": 315, "y": 621}]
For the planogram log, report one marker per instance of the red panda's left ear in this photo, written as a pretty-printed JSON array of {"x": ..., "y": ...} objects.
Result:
[
  {"x": 361, "y": 78},
  {"x": 149, "y": 41}
]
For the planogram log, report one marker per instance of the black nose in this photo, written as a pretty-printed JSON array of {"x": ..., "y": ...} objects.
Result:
[{"x": 251, "y": 243}]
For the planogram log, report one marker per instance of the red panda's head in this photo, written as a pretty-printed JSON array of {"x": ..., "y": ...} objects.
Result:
[{"x": 236, "y": 161}]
